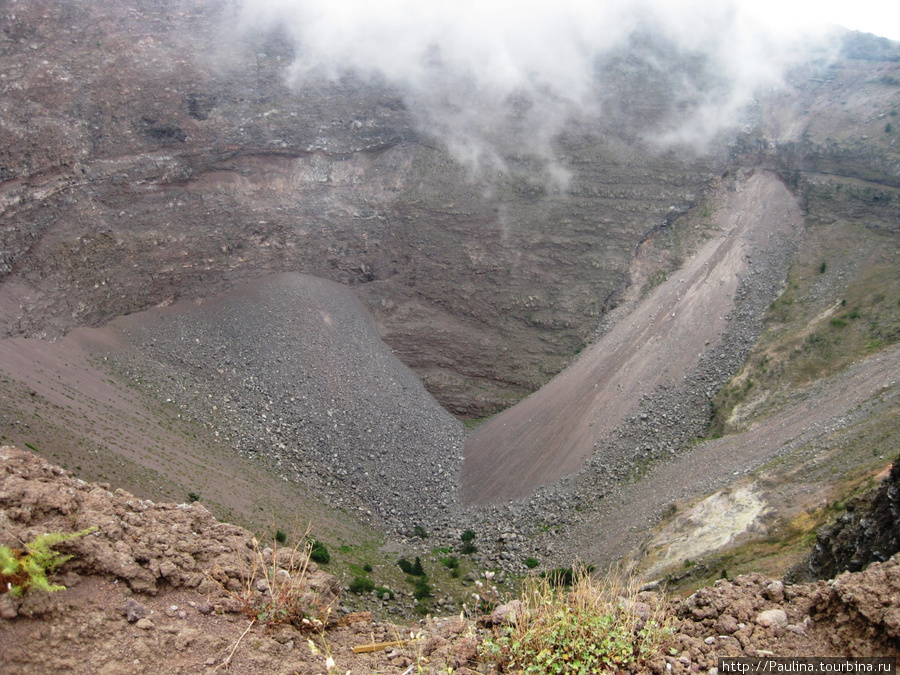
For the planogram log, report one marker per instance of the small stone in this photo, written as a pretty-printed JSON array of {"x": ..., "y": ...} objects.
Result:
[
  {"x": 145, "y": 624},
  {"x": 7, "y": 609},
  {"x": 775, "y": 591},
  {"x": 507, "y": 614},
  {"x": 134, "y": 610},
  {"x": 772, "y": 617},
  {"x": 727, "y": 624}
]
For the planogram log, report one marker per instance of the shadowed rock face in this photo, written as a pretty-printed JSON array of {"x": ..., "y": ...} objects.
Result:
[
  {"x": 148, "y": 154},
  {"x": 868, "y": 531}
]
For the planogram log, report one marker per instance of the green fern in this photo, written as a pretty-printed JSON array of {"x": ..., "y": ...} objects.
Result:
[{"x": 23, "y": 570}]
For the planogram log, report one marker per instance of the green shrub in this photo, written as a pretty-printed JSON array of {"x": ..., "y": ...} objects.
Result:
[
  {"x": 25, "y": 569},
  {"x": 420, "y": 532},
  {"x": 450, "y": 562},
  {"x": 361, "y": 585},
  {"x": 564, "y": 576},
  {"x": 531, "y": 563},
  {"x": 381, "y": 590},
  {"x": 422, "y": 589},
  {"x": 193, "y": 497},
  {"x": 592, "y": 628},
  {"x": 413, "y": 569},
  {"x": 367, "y": 567},
  {"x": 468, "y": 538},
  {"x": 318, "y": 552},
  {"x": 280, "y": 536}
]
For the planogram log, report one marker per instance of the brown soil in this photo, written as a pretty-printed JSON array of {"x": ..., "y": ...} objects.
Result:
[{"x": 145, "y": 595}]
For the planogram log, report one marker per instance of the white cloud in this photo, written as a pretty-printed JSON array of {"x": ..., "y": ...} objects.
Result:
[{"x": 460, "y": 61}]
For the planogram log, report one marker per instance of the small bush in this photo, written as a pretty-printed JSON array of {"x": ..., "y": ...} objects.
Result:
[
  {"x": 413, "y": 569},
  {"x": 367, "y": 567},
  {"x": 381, "y": 590},
  {"x": 318, "y": 552},
  {"x": 823, "y": 267},
  {"x": 468, "y": 539},
  {"x": 531, "y": 563},
  {"x": 564, "y": 576},
  {"x": 451, "y": 562},
  {"x": 420, "y": 532},
  {"x": 592, "y": 628},
  {"x": 361, "y": 585},
  {"x": 193, "y": 497},
  {"x": 284, "y": 598},
  {"x": 280, "y": 536},
  {"x": 422, "y": 589}
]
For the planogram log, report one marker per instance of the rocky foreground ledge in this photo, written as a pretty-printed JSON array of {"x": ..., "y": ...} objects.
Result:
[{"x": 156, "y": 588}]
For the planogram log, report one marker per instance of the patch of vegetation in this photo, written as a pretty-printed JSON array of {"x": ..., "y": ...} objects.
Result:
[
  {"x": 413, "y": 569},
  {"x": 422, "y": 588},
  {"x": 280, "y": 536},
  {"x": 381, "y": 590},
  {"x": 26, "y": 569},
  {"x": 318, "y": 552},
  {"x": 818, "y": 326},
  {"x": 286, "y": 599},
  {"x": 591, "y": 628},
  {"x": 654, "y": 280},
  {"x": 420, "y": 532},
  {"x": 562, "y": 577},
  {"x": 531, "y": 563},
  {"x": 361, "y": 585},
  {"x": 468, "y": 541}
]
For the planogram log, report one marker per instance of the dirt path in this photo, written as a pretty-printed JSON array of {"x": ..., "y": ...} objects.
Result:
[{"x": 551, "y": 433}]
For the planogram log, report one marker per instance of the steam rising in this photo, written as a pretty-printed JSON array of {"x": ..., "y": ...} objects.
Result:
[{"x": 494, "y": 77}]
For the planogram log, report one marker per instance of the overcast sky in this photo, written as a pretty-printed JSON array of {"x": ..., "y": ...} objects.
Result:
[{"x": 881, "y": 17}]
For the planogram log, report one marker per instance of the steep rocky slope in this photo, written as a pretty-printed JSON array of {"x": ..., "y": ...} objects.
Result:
[
  {"x": 868, "y": 531},
  {"x": 290, "y": 368}
]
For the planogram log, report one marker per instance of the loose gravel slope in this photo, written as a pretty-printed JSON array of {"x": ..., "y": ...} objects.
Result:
[{"x": 292, "y": 370}]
